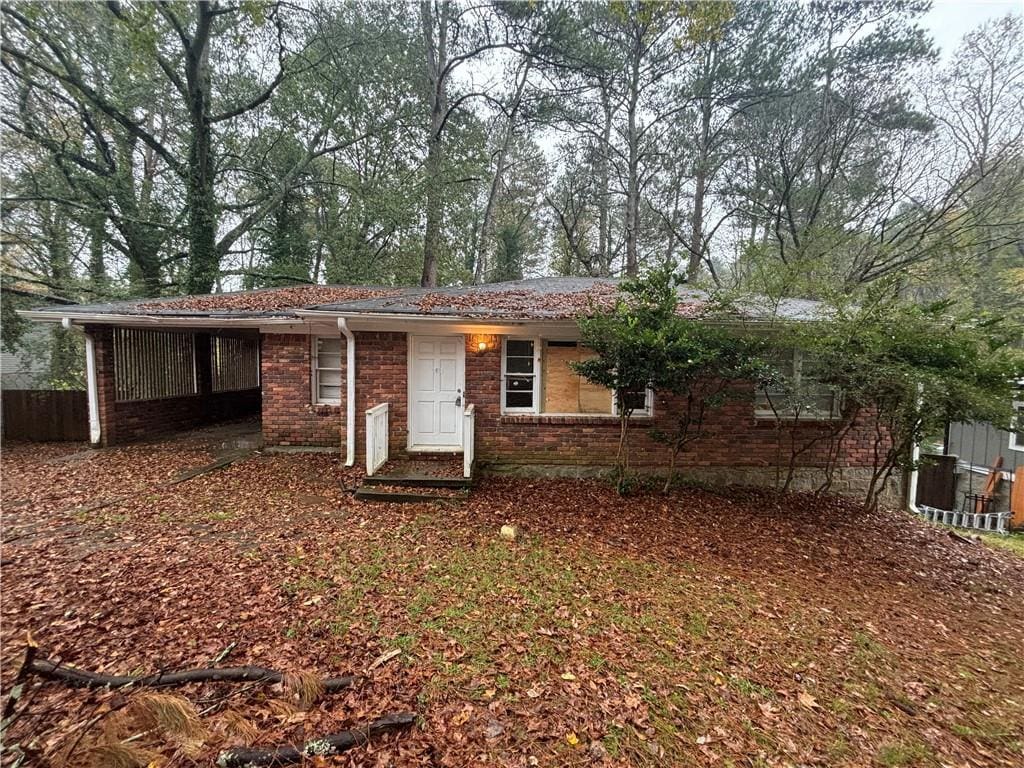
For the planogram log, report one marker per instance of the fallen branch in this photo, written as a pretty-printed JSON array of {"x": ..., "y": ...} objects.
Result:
[
  {"x": 962, "y": 539},
  {"x": 333, "y": 744},
  {"x": 81, "y": 678}
]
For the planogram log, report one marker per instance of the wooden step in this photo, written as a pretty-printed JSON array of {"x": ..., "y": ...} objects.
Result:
[
  {"x": 369, "y": 493},
  {"x": 418, "y": 481}
]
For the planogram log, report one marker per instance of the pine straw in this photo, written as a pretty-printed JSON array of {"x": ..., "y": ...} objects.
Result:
[{"x": 306, "y": 686}]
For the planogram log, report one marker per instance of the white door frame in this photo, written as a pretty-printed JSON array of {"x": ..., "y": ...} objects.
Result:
[{"x": 410, "y": 411}]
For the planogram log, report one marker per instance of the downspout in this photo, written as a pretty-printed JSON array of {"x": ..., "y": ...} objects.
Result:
[
  {"x": 915, "y": 458},
  {"x": 350, "y": 392},
  {"x": 92, "y": 390}
]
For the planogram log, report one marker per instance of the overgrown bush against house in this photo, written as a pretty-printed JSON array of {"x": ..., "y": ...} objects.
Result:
[
  {"x": 916, "y": 367},
  {"x": 911, "y": 368}
]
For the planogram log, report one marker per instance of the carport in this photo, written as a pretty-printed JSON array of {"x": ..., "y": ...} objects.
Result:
[{"x": 148, "y": 377}]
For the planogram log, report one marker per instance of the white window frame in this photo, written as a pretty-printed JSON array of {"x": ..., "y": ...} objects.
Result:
[
  {"x": 768, "y": 413},
  {"x": 647, "y": 410},
  {"x": 535, "y": 408},
  {"x": 316, "y": 368},
  {"x": 1015, "y": 424},
  {"x": 538, "y": 378}
]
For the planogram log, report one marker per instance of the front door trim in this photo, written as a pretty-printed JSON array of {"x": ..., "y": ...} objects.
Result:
[{"x": 411, "y": 390}]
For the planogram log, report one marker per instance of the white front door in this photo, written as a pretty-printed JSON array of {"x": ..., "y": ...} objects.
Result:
[{"x": 436, "y": 382}]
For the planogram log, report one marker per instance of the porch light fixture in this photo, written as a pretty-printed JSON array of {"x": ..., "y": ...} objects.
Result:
[{"x": 482, "y": 342}]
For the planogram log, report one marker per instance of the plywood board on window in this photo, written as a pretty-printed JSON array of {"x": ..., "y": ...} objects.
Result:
[{"x": 564, "y": 390}]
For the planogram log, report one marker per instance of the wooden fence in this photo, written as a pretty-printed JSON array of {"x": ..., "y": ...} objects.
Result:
[
  {"x": 44, "y": 415},
  {"x": 936, "y": 483}
]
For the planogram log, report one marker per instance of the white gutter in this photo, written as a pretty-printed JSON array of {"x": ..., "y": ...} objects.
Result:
[
  {"x": 350, "y": 392},
  {"x": 172, "y": 320},
  {"x": 91, "y": 386}
]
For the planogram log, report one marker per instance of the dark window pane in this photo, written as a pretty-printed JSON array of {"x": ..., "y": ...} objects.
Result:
[
  {"x": 519, "y": 399},
  {"x": 637, "y": 401},
  {"x": 519, "y": 383},
  {"x": 519, "y": 365},
  {"x": 519, "y": 348}
]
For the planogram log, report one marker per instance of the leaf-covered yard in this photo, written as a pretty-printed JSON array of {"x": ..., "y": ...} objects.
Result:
[{"x": 696, "y": 629}]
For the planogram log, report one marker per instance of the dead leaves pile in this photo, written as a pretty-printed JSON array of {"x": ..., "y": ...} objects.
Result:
[
  {"x": 693, "y": 629},
  {"x": 270, "y": 300}
]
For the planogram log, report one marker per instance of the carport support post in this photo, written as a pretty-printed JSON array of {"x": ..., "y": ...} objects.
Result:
[{"x": 350, "y": 392}]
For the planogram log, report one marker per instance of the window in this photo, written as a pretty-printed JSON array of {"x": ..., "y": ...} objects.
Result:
[
  {"x": 519, "y": 376},
  {"x": 640, "y": 401},
  {"x": 537, "y": 377},
  {"x": 234, "y": 363},
  {"x": 799, "y": 395},
  {"x": 151, "y": 365},
  {"x": 564, "y": 390},
  {"x": 1017, "y": 426},
  {"x": 327, "y": 370}
]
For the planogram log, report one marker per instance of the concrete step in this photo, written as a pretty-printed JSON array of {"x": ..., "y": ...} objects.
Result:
[
  {"x": 418, "y": 481},
  {"x": 398, "y": 495}
]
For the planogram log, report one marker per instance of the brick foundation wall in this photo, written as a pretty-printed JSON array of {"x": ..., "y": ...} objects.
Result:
[
  {"x": 122, "y": 422},
  {"x": 290, "y": 417}
]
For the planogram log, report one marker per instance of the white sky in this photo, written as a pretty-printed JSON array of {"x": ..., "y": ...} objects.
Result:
[{"x": 949, "y": 20}]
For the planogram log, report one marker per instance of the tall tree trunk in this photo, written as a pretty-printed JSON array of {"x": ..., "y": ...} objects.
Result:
[
  {"x": 603, "y": 182},
  {"x": 700, "y": 180},
  {"x": 97, "y": 268},
  {"x": 434, "y": 203},
  {"x": 204, "y": 257},
  {"x": 633, "y": 172},
  {"x": 500, "y": 160},
  {"x": 436, "y": 46}
]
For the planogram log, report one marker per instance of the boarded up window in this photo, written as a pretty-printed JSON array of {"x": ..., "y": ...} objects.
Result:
[
  {"x": 565, "y": 391},
  {"x": 149, "y": 365},
  {"x": 234, "y": 363}
]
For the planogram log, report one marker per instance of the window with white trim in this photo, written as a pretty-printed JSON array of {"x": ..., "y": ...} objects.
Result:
[
  {"x": 537, "y": 376},
  {"x": 641, "y": 402},
  {"x": 327, "y": 370},
  {"x": 1017, "y": 426},
  {"x": 799, "y": 394},
  {"x": 519, "y": 379}
]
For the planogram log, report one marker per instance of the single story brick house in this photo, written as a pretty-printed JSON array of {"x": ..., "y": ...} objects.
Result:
[{"x": 481, "y": 371}]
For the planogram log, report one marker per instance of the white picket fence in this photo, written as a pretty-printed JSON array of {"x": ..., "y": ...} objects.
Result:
[
  {"x": 376, "y": 438},
  {"x": 993, "y": 522}
]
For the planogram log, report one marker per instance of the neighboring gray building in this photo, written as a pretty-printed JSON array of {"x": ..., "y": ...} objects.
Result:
[
  {"x": 28, "y": 365},
  {"x": 977, "y": 447}
]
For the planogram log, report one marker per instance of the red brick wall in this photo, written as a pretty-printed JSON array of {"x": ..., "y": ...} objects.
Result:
[
  {"x": 127, "y": 421},
  {"x": 734, "y": 437},
  {"x": 381, "y": 377},
  {"x": 290, "y": 417}
]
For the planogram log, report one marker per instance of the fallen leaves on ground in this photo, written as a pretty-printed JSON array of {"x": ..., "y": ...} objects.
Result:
[{"x": 694, "y": 629}]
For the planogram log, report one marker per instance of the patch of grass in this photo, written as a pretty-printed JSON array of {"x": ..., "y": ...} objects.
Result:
[
  {"x": 306, "y": 584},
  {"x": 912, "y": 753},
  {"x": 1013, "y": 542},
  {"x": 697, "y": 624},
  {"x": 750, "y": 688}
]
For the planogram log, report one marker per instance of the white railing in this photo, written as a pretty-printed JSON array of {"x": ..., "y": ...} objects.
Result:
[
  {"x": 376, "y": 438},
  {"x": 468, "y": 437}
]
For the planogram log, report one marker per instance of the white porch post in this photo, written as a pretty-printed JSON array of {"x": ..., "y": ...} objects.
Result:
[{"x": 350, "y": 392}]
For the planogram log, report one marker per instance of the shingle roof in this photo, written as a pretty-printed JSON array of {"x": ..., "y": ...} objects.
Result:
[{"x": 547, "y": 298}]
